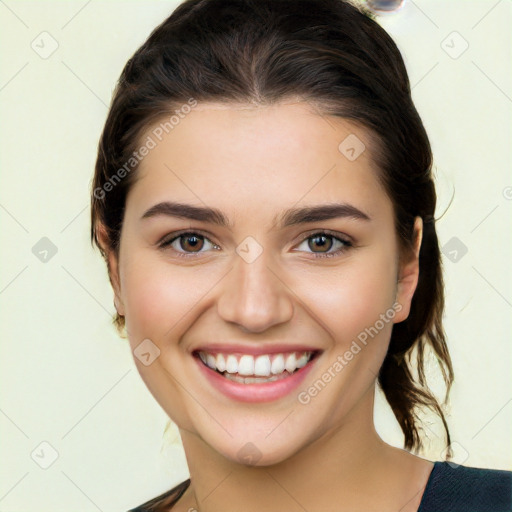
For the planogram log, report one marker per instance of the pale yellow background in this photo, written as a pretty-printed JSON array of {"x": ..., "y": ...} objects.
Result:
[{"x": 67, "y": 378}]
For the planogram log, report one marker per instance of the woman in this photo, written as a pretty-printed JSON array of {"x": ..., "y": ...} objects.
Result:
[{"x": 264, "y": 201}]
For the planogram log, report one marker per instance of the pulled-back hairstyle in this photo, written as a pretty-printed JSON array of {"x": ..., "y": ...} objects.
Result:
[{"x": 334, "y": 55}]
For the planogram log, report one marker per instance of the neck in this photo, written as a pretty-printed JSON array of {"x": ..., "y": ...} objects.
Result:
[{"x": 344, "y": 469}]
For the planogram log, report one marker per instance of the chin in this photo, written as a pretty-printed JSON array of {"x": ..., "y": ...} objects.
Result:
[{"x": 258, "y": 450}]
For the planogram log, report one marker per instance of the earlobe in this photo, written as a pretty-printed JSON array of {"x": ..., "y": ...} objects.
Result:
[
  {"x": 112, "y": 267},
  {"x": 408, "y": 274}
]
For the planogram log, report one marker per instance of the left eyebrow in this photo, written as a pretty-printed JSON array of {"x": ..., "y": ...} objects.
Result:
[
  {"x": 319, "y": 213},
  {"x": 291, "y": 217}
]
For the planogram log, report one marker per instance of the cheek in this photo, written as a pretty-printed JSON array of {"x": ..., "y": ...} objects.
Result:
[
  {"x": 349, "y": 298},
  {"x": 154, "y": 297},
  {"x": 159, "y": 297}
]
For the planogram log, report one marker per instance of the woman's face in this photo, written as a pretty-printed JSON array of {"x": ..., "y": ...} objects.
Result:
[{"x": 268, "y": 287}]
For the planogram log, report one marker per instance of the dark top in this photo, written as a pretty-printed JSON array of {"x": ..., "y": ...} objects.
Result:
[{"x": 450, "y": 488}]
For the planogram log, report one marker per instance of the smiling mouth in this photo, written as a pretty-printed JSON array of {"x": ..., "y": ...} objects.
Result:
[{"x": 249, "y": 369}]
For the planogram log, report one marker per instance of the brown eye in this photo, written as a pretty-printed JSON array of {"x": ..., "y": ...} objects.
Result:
[
  {"x": 326, "y": 245},
  {"x": 321, "y": 241},
  {"x": 188, "y": 244},
  {"x": 191, "y": 242}
]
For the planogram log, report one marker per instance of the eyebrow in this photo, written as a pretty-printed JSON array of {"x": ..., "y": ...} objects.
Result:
[{"x": 288, "y": 218}]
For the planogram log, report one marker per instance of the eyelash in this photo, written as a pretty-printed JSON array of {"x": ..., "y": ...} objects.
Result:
[{"x": 346, "y": 243}]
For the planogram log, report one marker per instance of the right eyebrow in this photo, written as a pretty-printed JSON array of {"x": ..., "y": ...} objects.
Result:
[{"x": 188, "y": 211}]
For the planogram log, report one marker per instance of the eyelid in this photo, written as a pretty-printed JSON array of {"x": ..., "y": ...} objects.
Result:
[
  {"x": 335, "y": 234},
  {"x": 167, "y": 240},
  {"x": 170, "y": 237},
  {"x": 346, "y": 240}
]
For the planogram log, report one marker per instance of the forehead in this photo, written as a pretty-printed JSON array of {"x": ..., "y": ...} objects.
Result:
[{"x": 258, "y": 159}]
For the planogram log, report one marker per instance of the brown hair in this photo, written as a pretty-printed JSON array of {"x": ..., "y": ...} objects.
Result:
[{"x": 334, "y": 55}]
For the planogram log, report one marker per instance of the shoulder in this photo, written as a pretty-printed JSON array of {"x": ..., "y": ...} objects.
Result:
[
  {"x": 456, "y": 488},
  {"x": 164, "y": 501}
]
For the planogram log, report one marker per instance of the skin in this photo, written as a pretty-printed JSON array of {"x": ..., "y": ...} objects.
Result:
[{"x": 252, "y": 163}]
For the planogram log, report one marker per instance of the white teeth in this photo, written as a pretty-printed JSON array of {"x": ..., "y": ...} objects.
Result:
[
  {"x": 232, "y": 365},
  {"x": 291, "y": 363},
  {"x": 221, "y": 363},
  {"x": 302, "y": 361},
  {"x": 277, "y": 364},
  {"x": 262, "y": 366},
  {"x": 265, "y": 365},
  {"x": 246, "y": 365},
  {"x": 211, "y": 361},
  {"x": 251, "y": 380}
]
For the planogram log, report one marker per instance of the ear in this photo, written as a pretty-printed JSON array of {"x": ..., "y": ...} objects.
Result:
[
  {"x": 408, "y": 274},
  {"x": 112, "y": 266}
]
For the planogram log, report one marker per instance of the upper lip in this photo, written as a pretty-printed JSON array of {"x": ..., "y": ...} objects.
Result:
[{"x": 267, "y": 348}]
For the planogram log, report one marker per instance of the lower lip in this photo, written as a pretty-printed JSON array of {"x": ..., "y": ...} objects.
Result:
[{"x": 259, "y": 392}]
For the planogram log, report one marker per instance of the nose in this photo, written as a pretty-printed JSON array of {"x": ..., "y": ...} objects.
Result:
[{"x": 255, "y": 296}]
